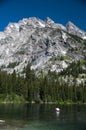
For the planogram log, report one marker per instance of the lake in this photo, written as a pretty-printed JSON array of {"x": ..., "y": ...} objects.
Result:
[{"x": 42, "y": 117}]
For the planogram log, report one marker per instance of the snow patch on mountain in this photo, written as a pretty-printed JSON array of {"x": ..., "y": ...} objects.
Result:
[
  {"x": 41, "y": 24},
  {"x": 64, "y": 36}
]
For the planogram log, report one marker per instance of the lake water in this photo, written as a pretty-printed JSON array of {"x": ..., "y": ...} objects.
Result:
[{"x": 42, "y": 117}]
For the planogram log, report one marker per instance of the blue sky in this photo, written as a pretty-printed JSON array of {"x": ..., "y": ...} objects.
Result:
[{"x": 61, "y": 11}]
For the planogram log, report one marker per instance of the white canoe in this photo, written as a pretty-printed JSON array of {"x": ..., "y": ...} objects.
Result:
[{"x": 57, "y": 109}]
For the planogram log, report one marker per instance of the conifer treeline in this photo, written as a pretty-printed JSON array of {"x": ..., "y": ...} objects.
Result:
[{"x": 48, "y": 88}]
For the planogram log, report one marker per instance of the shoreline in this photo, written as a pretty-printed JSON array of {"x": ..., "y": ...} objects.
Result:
[{"x": 33, "y": 102}]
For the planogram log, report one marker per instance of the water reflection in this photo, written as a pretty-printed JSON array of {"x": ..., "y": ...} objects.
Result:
[
  {"x": 40, "y": 117},
  {"x": 57, "y": 113}
]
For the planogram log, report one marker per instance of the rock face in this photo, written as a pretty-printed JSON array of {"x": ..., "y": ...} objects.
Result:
[
  {"x": 45, "y": 44},
  {"x": 72, "y": 29}
]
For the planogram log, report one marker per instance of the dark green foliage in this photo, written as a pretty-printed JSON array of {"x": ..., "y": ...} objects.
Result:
[
  {"x": 84, "y": 44},
  {"x": 48, "y": 88},
  {"x": 74, "y": 69},
  {"x": 76, "y": 38},
  {"x": 13, "y": 64}
]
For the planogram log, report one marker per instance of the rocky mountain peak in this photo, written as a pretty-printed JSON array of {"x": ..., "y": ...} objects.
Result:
[
  {"x": 25, "y": 23},
  {"x": 49, "y": 21},
  {"x": 12, "y": 27},
  {"x": 42, "y": 43},
  {"x": 72, "y": 29},
  {"x": 33, "y": 21}
]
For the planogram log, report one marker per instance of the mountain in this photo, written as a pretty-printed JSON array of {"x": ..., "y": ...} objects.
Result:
[
  {"x": 72, "y": 29},
  {"x": 45, "y": 44}
]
